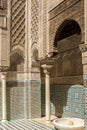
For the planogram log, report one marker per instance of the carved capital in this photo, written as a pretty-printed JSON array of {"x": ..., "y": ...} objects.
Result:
[
  {"x": 83, "y": 47},
  {"x": 4, "y": 69},
  {"x": 4, "y": 74},
  {"x": 46, "y": 72},
  {"x": 46, "y": 68}
]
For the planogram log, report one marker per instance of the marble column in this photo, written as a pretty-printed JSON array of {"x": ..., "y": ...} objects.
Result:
[
  {"x": 46, "y": 69},
  {"x": 4, "y": 109},
  {"x": 83, "y": 48}
]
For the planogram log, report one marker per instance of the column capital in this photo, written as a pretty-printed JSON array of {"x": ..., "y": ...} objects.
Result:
[
  {"x": 46, "y": 68},
  {"x": 46, "y": 72},
  {"x": 4, "y": 75}
]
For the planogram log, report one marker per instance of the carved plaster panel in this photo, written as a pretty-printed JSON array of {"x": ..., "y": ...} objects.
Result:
[
  {"x": 17, "y": 22},
  {"x": 34, "y": 31},
  {"x": 54, "y": 3},
  {"x": 34, "y": 20},
  {"x": 43, "y": 28}
]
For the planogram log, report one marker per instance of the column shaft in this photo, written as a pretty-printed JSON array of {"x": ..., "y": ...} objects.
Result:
[
  {"x": 47, "y": 98},
  {"x": 46, "y": 69},
  {"x": 4, "y": 109}
]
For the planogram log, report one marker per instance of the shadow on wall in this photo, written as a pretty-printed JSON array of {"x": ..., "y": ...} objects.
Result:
[
  {"x": 67, "y": 101},
  {"x": 58, "y": 99}
]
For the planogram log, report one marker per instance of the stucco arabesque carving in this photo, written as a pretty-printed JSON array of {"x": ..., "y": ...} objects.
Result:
[{"x": 83, "y": 48}]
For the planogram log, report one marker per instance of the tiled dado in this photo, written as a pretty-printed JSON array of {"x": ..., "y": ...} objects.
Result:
[
  {"x": 85, "y": 100},
  {"x": 17, "y": 99},
  {"x": 66, "y": 100}
]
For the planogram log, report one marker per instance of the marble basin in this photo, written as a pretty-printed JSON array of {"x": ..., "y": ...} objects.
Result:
[{"x": 69, "y": 124}]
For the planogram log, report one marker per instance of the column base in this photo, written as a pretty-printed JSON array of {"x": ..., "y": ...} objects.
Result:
[{"x": 4, "y": 120}]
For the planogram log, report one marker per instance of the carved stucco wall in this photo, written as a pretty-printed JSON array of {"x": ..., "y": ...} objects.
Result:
[
  {"x": 3, "y": 4},
  {"x": 39, "y": 26},
  {"x": 3, "y": 14},
  {"x": 34, "y": 21},
  {"x": 66, "y": 10},
  {"x": 17, "y": 24},
  {"x": 34, "y": 28},
  {"x": 43, "y": 28},
  {"x": 53, "y": 3}
]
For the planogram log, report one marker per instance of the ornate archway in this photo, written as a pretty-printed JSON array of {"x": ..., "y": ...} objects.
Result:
[
  {"x": 67, "y": 41},
  {"x": 67, "y": 70}
]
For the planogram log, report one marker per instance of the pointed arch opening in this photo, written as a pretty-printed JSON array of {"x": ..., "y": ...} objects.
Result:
[{"x": 67, "y": 40}]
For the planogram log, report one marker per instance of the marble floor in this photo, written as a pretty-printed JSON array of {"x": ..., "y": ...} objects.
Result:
[
  {"x": 24, "y": 124},
  {"x": 43, "y": 121}
]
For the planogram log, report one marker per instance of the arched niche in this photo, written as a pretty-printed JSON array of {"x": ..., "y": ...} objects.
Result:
[
  {"x": 17, "y": 60},
  {"x": 67, "y": 39},
  {"x": 34, "y": 51},
  {"x": 67, "y": 28}
]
